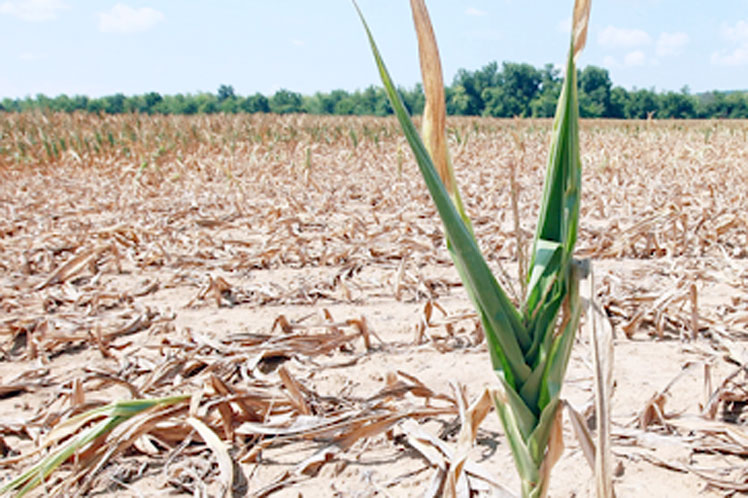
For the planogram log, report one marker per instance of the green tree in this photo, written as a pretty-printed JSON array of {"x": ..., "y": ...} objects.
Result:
[
  {"x": 594, "y": 92},
  {"x": 316, "y": 104},
  {"x": 41, "y": 101},
  {"x": 11, "y": 105},
  {"x": 458, "y": 101},
  {"x": 469, "y": 88},
  {"x": 677, "y": 105},
  {"x": 366, "y": 101},
  {"x": 225, "y": 92},
  {"x": 332, "y": 100},
  {"x": 285, "y": 102},
  {"x": 732, "y": 105},
  {"x": 151, "y": 100},
  {"x": 517, "y": 85},
  {"x": 737, "y": 105},
  {"x": 114, "y": 104},
  {"x": 230, "y": 106},
  {"x": 641, "y": 104},
  {"x": 370, "y": 101},
  {"x": 80, "y": 102},
  {"x": 345, "y": 106},
  {"x": 543, "y": 105},
  {"x": 62, "y": 103},
  {"x": 95, "y": 106},
  {"x": 255, "y": 103},
  {"x": 181, "y": 104},
  {"x": 207, "y": 103},
  {"x": 135, "y": 103},
  {"x": 414, "y": 100},
  {"x": 619, "y": 98}
]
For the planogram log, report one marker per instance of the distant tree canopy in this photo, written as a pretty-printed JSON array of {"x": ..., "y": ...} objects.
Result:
[{"x": 512, "y": 89}]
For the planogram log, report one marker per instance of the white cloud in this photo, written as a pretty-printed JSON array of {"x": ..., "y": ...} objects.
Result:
[
  {"x": 737, "y": 55},
  {"x": 125, "y": 19},
  {"x": 30, "y": 56},
  {"x": 609, "y": 61},
  {"x": 472, "y": 11},
  {"x": 612, "y": 36},
  {"x": 33, "y": 10},
  {"x": 671, "y": 44},
  {"x": 737, "y": 33},
  {"x": 635, "y": 58},
  {"x": 491, "y": 35}
]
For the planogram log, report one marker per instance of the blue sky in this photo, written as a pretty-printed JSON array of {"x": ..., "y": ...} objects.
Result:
[{"x": 102, "y": 47}]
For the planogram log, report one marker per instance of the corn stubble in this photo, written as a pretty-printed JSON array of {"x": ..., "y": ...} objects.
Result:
[{"x": 530, "y": 346}]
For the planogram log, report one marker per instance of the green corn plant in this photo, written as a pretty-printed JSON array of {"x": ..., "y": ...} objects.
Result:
[
  {"x": 114, "y": 414},
  {"x": 529, "y": 346}
]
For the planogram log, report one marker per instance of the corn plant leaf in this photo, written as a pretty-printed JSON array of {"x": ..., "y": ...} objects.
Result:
[
  {"x": 497, "y": 355},
  {"x": 434, "y": 138},
  {"x": 435, "y": 110},
  {"x": 37, "y": 473},
  {"x": 434, "y": 122},
  {"x": 493, "y": 301},
  {"x": 125, "y": 408},
  {"x": 538, "y": 440},
  {"x": 526, "y": 466},
  {"x": 526, "y": 419},
  {"x": 543, "y": 324},
  {"x": 555, "y": 448},
  {"x": 499, "y": 361},
  {"x": 580, "y": 21},
  {"x": 559, "y": 211},
  {"x": 548, "y": 257},
  {"x": 558, "y": 357},
  {"x": 530, "y": 390},
  {"x": 116, "y": 413}
]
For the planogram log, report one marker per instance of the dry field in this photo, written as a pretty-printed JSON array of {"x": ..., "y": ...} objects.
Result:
[{"x": 289, "y": 273}]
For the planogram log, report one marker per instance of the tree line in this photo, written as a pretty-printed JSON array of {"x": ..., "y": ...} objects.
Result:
[{"x": 512, "y": 89}]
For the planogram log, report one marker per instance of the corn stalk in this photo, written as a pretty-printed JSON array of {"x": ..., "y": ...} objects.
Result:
[{"x": 529, "y": 346}]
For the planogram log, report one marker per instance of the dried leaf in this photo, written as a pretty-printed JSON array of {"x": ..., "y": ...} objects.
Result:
[
  {"x": 225, "y": 462},
  {"x": 294, "y": 391},
  {"x": 456, "y": 481},
  {"x": 601, "y": 340},
  {"x": 435, "y": 111},
  {"x": 586, "y": 443},
  {"x": 579, "y": 24}
]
